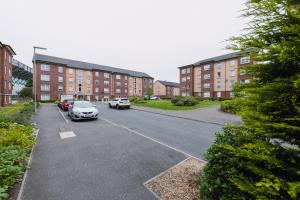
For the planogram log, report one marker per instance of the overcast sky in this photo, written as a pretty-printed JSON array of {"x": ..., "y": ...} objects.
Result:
[{"x": 153, "y": 36}]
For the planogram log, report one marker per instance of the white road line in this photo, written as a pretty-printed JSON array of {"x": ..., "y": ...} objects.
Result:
[
  {"x": 67, "y": 121},
  {"x": 27, "y": 167},
  {"x": 149, "y": 138}
]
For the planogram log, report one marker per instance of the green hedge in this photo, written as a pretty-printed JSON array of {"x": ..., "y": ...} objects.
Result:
[{"x": 184, "y": 101}]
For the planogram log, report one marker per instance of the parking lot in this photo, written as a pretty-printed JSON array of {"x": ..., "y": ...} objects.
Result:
[{"x": 109, "y": 158}]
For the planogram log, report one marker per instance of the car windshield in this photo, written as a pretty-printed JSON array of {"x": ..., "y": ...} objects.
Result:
[
  {"x": 83, "y": 104},
  {"x": 124, "y": 99}
]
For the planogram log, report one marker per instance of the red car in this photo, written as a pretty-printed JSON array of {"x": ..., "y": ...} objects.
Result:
[{"x": 65, "y": 104}]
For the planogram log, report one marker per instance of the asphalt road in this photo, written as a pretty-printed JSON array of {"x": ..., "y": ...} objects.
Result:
[{"x": 109, "y": 158}]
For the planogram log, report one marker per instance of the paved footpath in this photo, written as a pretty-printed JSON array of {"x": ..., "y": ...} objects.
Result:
[
  {"x": 210, "y": 115},
  {"x": 102, "y": 161}
]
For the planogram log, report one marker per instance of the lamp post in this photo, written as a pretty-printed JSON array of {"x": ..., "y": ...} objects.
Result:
[{"x": 34, "y": 76}]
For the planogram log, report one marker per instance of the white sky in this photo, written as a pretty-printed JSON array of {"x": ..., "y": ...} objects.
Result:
[{"x": 153, "y": 36}]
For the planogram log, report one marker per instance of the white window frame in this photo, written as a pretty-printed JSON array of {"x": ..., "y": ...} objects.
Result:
[
  {"x": 60, "y": 69},
  {"x": 96, "y": 74},
  {"x": 219, "y": 94},
  {"x": 45, "y": 67},
  {"x": 106, "y": 75},
  {"x": 60, "y": 79},
  {"x": 206, "y": 94},
  {"x": 245, "y": 60},
  {"x": 45, "y": 95},
  {"x": 45, "y": 87},
  {"x": 206, "y": 67},
  {"x": 43, "y": 77},
  {"x": 233, "y": 73},
  {"x": 206, "y": 76},
  {"x": 118, "y": 76}
]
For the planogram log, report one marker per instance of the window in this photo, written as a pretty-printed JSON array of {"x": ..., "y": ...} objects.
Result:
[
  {"x": 60, "y": 79},
  {"x": 219, "y": 65},
  {"x": 106, "y": 83},
  {"x": 219, "y": 84},
  {"x": 118, "y": 91},
  {"x": 188, "y": 78},
  {"x": 188, "y": 70},
  {"x": 106, "y": 90},
  {"x": 183, "y": 71},
  {"x": 206, "y": 76},
  {"x": 245, "y": 60},
  {"x": 45, "y": 77},
  {"x": 45, "y": 97},
  {"x": 60, "y": 69},
  {"x": 9, "y": 72},
  {"x": 106, "y": 75},
  {"x": 183, "y": 79},
  {"x": 45, "y": 67},
  {"x": 71, "y": 89},
  {"x": 70, "y": 79},
  {"x": 125, "y": 90},
  {"x": 118, "y": 84},
  {"x": 88, "y": 73},
  {"x": 219, "y": 94},
  {"x": 118, "y": 76},
  {"x": 88, "y": 81},
  {"x": 125, "y": 84},
  {"x": 206, "y": 85},
  {"x": 88, "y": 90},
  {"x": 45, "y": 87},
  {"x": 206, "y": 67},
  {"x": 232, "y": 73},
  {"x": 126, "y": 78},
  {"x": 60, "y": 88},
  {"x": 70, "y": 71},
  {"x": 218, "y": 75},
  {"x": 96, "y": 74},
  {"x": 96, "y": 82},
  {"x": 96, "y": 89},
  {"x": 206, "y": 94},
  {"x": 233, "y": 63}
]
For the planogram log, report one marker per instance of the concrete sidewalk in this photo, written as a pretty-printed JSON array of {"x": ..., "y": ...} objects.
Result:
[{"x": 210, "y": 115}]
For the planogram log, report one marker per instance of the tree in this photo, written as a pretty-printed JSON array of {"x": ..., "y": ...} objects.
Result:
[
  {"x": 26, "y": 92},
  {"x": 149, "y": 92},
  {"x": 29, "y": 83},
  {"x": 261, "y": 158}
]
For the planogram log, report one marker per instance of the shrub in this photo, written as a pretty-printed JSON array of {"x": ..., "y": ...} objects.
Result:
[
  {"x": 184, "y": 101},
  {"x": 135, "y": 99},
  {"x": 233, "y": 106}
]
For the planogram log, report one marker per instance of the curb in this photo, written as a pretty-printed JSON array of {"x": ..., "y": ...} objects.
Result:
[
  {"x": 196, "y": 120},
  {"x": 27, "y": 167}
]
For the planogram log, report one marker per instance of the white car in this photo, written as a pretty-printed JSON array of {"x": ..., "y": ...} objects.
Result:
[
  {"x": 154, "y": 98},
  {"x": 82, "y": 110},
  {"x": 119, "y": 103}
]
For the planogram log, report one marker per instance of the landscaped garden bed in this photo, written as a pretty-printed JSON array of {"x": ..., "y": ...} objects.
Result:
[{"x": 16, "y": 140}]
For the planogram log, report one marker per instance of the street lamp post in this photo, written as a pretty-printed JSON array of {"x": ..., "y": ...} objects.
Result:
[{"x": 34, "y": 76}]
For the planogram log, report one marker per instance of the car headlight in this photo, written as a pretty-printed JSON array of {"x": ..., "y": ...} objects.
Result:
[{"x": 76, "y": 112}]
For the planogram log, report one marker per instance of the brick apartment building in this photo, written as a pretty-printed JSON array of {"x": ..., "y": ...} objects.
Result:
[
  {"x": 57, "y": 76},
  {"x": 6, "y": 54},
  {"x": 166, "y": 88},
  {"x": 214, "y": 77}
]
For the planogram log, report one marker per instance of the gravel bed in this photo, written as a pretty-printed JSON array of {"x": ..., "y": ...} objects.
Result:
[{"x": 178, "y": 182}]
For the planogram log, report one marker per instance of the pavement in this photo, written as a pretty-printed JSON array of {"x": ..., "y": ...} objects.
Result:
[
  {"x": 210, "y": 114},
  {"x": 109, "y": 158}
]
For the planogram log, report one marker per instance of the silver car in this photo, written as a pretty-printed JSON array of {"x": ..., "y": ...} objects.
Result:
[{"x": 82, "y": 110}]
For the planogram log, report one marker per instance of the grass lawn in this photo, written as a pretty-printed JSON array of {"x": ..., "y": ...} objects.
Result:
[
  {"x": 12, "y": 109},
  {"x": 167, "y": 105}
]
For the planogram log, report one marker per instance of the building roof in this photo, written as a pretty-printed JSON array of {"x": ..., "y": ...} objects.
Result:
[
  {"x": 10, "y": 49},
  {"x": 170, "y": 84},
  {"x": 222, "y": 57},
  {"x": 88, "y": 66}
]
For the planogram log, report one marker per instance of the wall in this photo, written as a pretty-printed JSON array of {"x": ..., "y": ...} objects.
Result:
[{"x": 159, "y": 89}]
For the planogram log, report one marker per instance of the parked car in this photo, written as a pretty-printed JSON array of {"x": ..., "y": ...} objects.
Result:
[
  {"x": 82, "y": 110},
  {"x": 119, "y": 103},
  {"x": 154, "y": 98},
  {"x": 62, "y": 98},
  {"x": 65, "y": 104}
]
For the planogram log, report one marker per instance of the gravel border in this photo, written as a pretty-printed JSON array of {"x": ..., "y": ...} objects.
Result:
[{"x": 178, "y": 182}]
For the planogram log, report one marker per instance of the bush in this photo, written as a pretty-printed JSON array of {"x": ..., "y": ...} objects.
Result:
[
  {"x": 135, "y": 99},
  {"x": 184, "y": 101},
  {"x": 233, "y": 106},
  {"x": 15, "y": 144},
  {"x": 23, "y": 116}
]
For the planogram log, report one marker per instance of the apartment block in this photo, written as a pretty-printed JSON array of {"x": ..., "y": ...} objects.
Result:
[
  {"x": 89, "y": 81},
  {"x": 6, "y": 55},
  {"x": 166, "y": 88},
  {"x": 214, "y": 77}
]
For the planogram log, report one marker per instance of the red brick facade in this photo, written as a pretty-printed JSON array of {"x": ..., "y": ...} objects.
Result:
[{"x": 6, "y": 54}]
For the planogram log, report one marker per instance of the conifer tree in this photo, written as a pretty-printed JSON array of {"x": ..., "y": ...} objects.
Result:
[{"x": 261, "y": 158}]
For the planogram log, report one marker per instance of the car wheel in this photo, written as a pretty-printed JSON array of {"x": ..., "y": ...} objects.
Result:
[
  {"x": 118, "y": 107},
  {"x": 72, "y": 116},
  {"x": 109, "y": 105}
]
